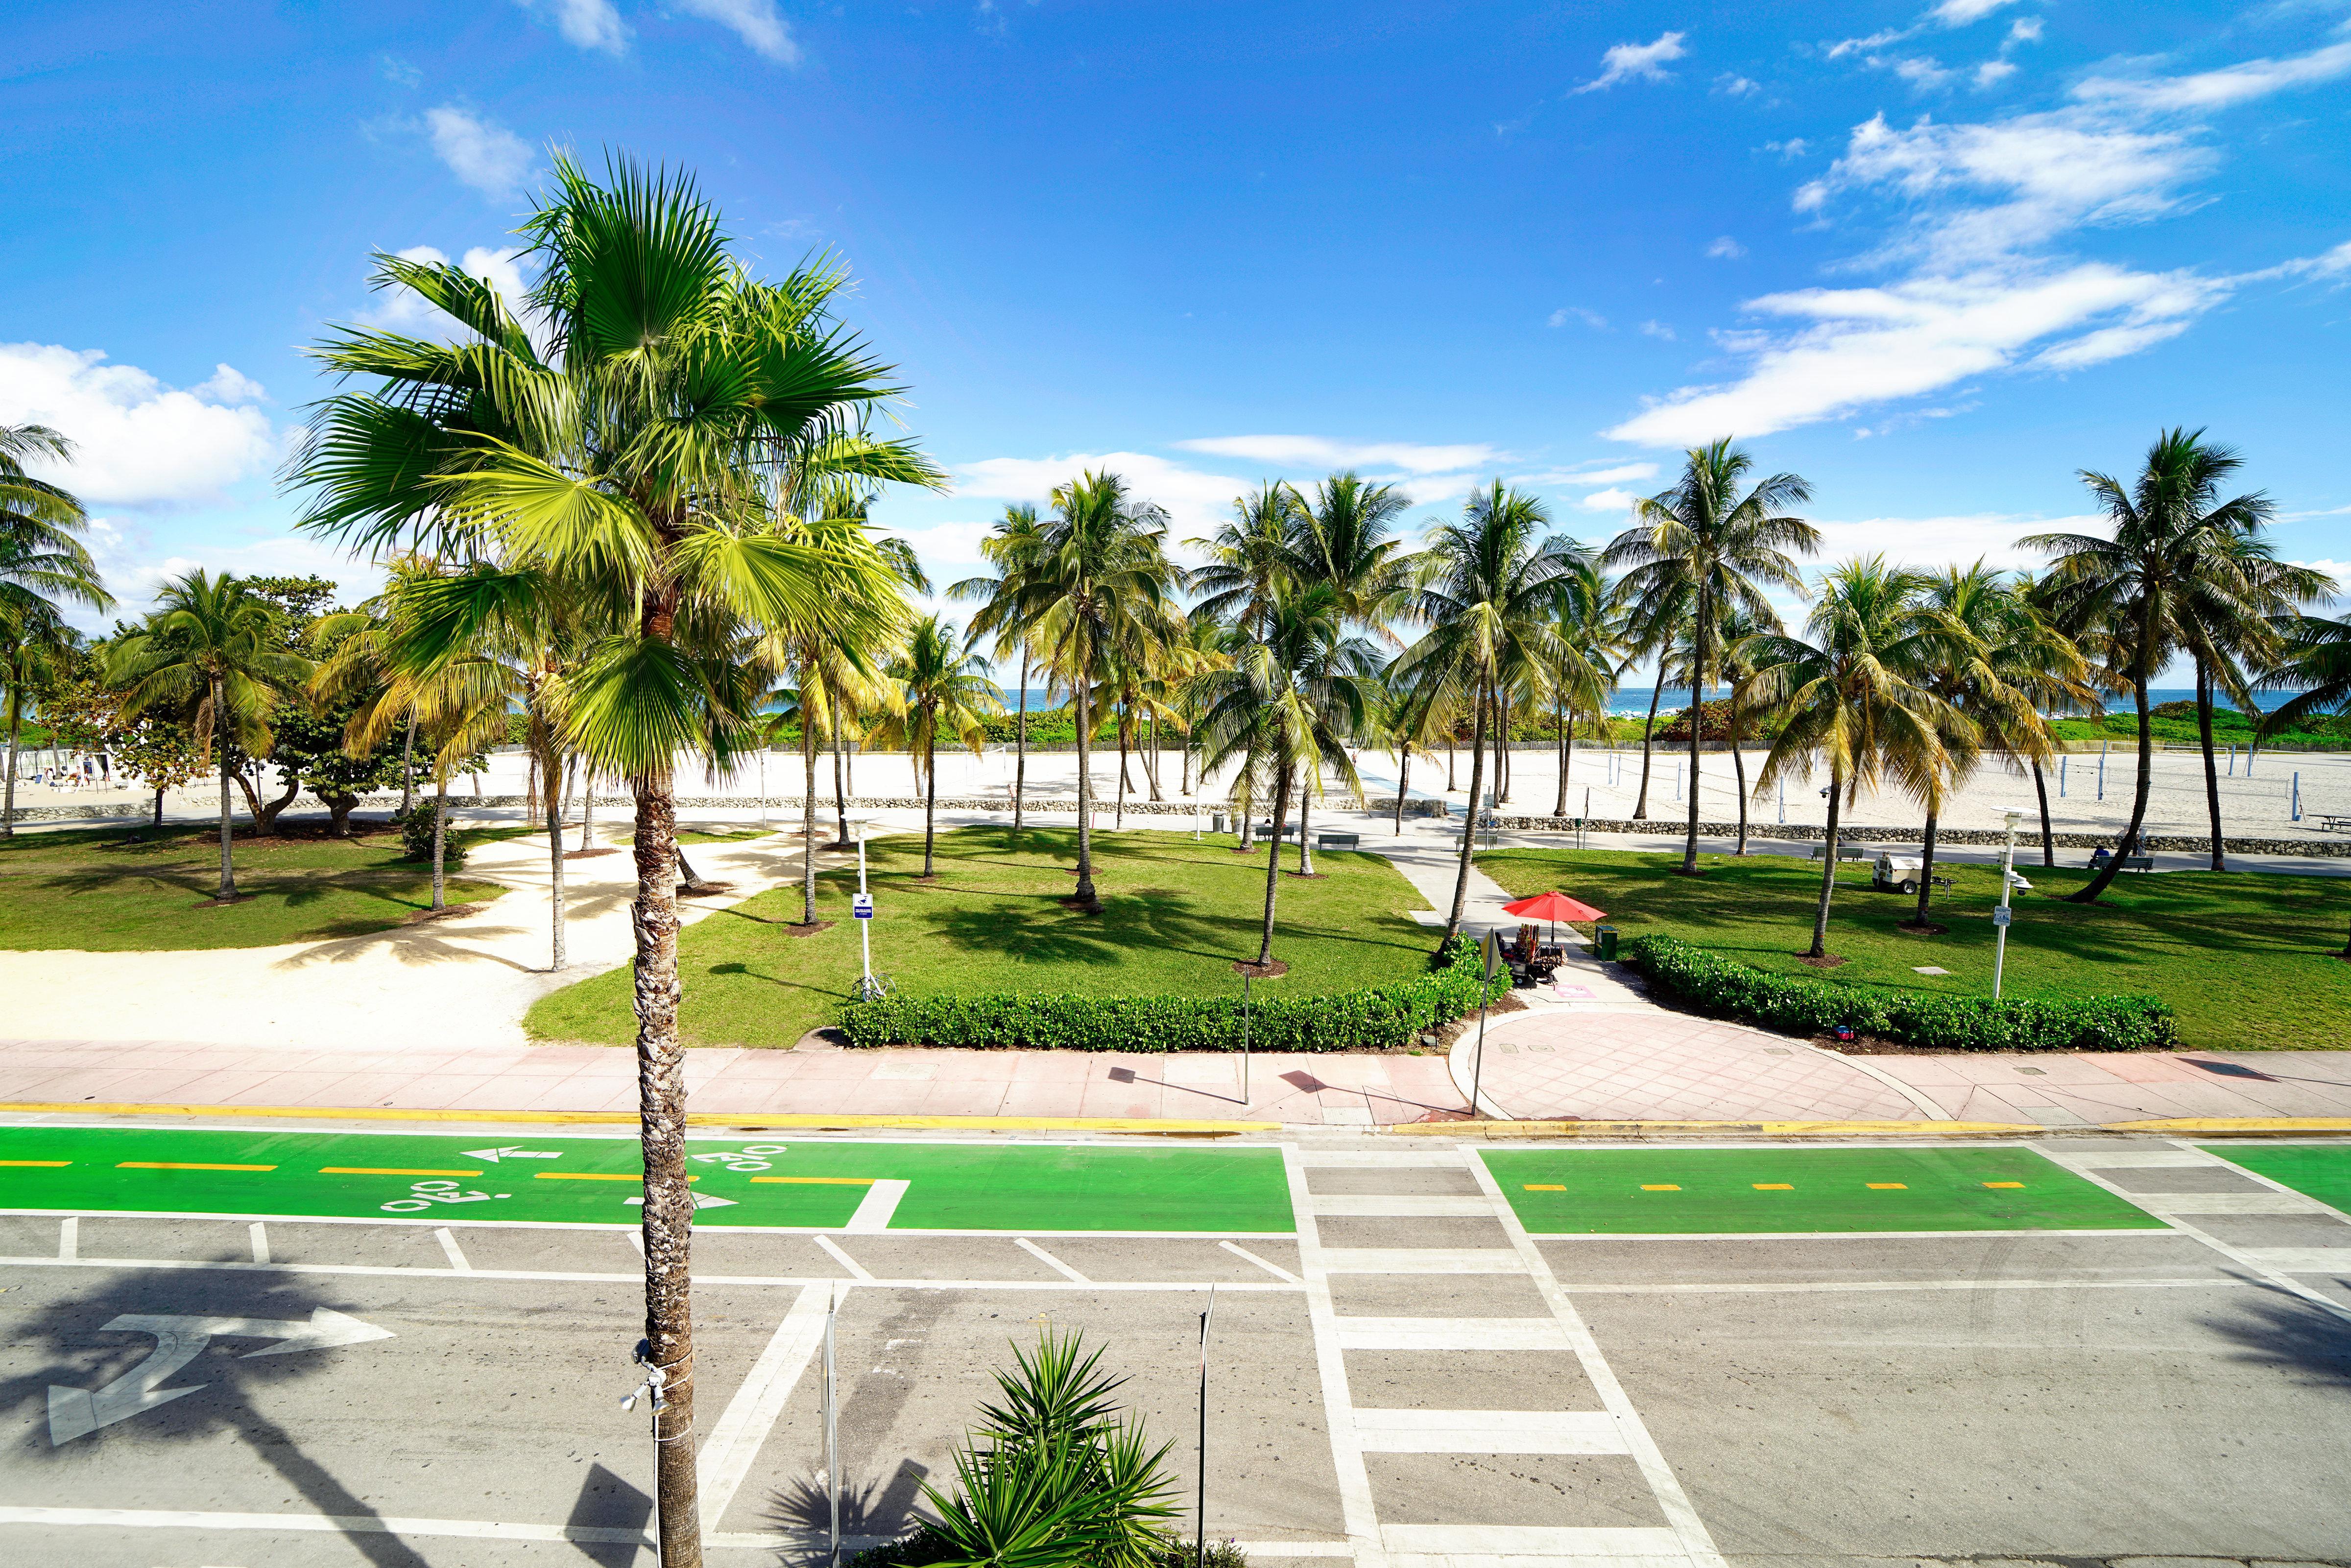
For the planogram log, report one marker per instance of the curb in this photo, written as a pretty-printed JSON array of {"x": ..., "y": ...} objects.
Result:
[
  {"x": 750, "y": 1119},
  {"x": 2182, "y": 1126}
]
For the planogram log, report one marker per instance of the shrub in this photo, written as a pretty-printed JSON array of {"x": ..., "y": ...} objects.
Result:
[
  {"x": 1794, "y": 1005},
  {"x": 1375, "y": 1017},
  {"x": 416, "y": 838}
]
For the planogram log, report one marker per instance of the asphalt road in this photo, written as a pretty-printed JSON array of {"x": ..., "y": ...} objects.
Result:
[{"x": 2146, "y": 1353}]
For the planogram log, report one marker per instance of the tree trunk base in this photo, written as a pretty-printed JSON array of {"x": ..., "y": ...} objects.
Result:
[
  {"x": 425, "y": 917},
  {"x": 588, "y": 854},
  {"x": 1825, "y": 961},
  {"x": 810, "y": 929},
  {"x": 1081, "y": 905},
  {"x": 225, "y": 903},
  {"x": 1272, "y": 968},
  {"x": 1690, "y": 870},
  {"x": 1917, "y": 928}
]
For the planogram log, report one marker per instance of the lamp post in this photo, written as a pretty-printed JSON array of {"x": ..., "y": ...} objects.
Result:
[{"x": 2001, "y": 917}]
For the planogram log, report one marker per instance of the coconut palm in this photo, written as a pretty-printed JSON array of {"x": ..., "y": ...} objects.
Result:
[
  {"x": 1247, "y": 557},
  {"x": 41, "y": 562},
  {"x": 1738, "y": 631},
  {"x": 1485, "y": 588},
  {"x": 1011, "y": 548},
  {"x": 210, "y": 652},
  {"x": 1706, "y": 544},
  {"x": 2172, "y": 564},
  {"x": 1844, "y": 691},
  {"x": 1102, "y": 586},
  {"x": 1587, "y": 628},
  {"x": 943, "y": 689},
  {"x": 2315, "y": 662},
  {"x": 648, "y": 459},
  {"x": 1344, "y": 535},
  {"x": 1652, "y": 619},
  {"x": 32, "y": 643}
]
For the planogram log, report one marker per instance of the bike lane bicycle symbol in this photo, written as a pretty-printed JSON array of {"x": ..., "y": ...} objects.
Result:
[{"x": 424, "y": 1195}]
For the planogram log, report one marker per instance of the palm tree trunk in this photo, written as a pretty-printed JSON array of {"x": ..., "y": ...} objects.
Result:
[
  {"x": 15, "y": 728},
  {"x": 667, "y": 1223},
  {"x": 2048, "y": 838},
  {"x": 1559, "y": 732},
  {"x": 1502, "y": 750},
  {"x": 1819, "y": 948},
  {"x": 1403, "y": 777},
  {"x": 408, "y": 768},
  {"x": 588, "y": 811},
  {"x": 1086, "y": 898},
  {"x": 1739, "y": 764},
  {"x": 1021, "y": 744},
  {"x": 2140, "y": 672},
  {"x": 1151, "y": 758},
  {"x": 840, "y": 791},
  {"x": 440, "y": 841},
  {"x": 220, "y": 727},
  {"x": 1698, "y": 727},
  {"x": 1926, "y": 872},
  {"x": 2211, "y": 773},
  {"x": 808, "y": 818},
  {"x": 1469, "y": 828},
  {"x": 930, "y": 799},
  {"x": 1273, "y": 866},
  {"x": 1306, "y": 784},
  {"x": 551, "y": 780},
  {"x": 1118, "y": 817},
  {"x": 1641, "y": 806}
]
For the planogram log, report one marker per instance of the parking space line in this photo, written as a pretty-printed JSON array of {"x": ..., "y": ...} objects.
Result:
[
  {"x": 259, "y": 1234},
  {"x": 69, "y": 1238},
  {"x": 734, "y": 1441},
  {"x": 1356, "y": 1507},
  {"x": 1050, "y": 1261},
  {"x": 450, "y": 1250},
  {"x": 1284, "y": 1275},
  {"x": 1685, "y": 1534},
  {"x": 856, "y": 1269}
]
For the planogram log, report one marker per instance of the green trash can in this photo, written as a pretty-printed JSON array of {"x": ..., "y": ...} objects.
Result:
[{"x": 1603, "y": 938}]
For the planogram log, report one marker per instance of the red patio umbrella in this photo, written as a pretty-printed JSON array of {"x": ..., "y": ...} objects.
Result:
[{"x": 1553, "y": 907}]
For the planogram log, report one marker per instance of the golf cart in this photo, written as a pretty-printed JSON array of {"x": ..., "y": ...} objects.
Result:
[{"x": 1896, "y": 872}]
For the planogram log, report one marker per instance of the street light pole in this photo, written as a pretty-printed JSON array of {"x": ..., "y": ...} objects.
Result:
[
  {"x": 865, "y": 927},
  {"x": 2000, "y": 920}
]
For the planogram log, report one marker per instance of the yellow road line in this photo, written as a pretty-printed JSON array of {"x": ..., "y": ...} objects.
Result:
[
  {"x": 751, "y": 1120},
  {"x": 595, "y": 1176},
  {"x": 180, "y": 1165},
  {"x": 1773, "y": 1186},
  {"x": 822, "y": 1181},
  {"x": 2003, "y": 1184},
  {"x": 41, "y": 1162},
  {"x": 1662, "y": 1186},
  {"x": 1531, "y": 1187},
  {"x": 387, "y": 1170},
  {"x": 1888, "y": 1186}
]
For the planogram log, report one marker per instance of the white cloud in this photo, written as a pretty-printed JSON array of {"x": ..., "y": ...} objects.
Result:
[
  {"x": 1962, "y": 539},
  {"x": 1197, "y": 502},
  {"x": 404, "y": 310},
  {"x": 1637, "y": 62},
  {"x": 1864, "y": 345},
  {"x": 1950, "y": 14},
  {"x": 753, "y": 21},
  {"x": 1316, "y": 452},
  {"x": 2024, "y": 30},
  {"x": 1730, "y": 84},
  {"x": 1789, "y": 151},
  {"x": 486, "y": 156},
  {"x": 1601, "y": 473},
  {"x": 1566, "y": 313},
  {"x": 1960, "y": 13},
  {"x": 591, "y": 24},
  {"x": 139, "y": 442},
  {"x": 2306, "y": 516},
  {"x": 1608, "y": 501},
  {"x": 1991, "y": 73},
  {"x": 227, "y": 384},
  {"x": 2220, "y": 89},
  {"x": 134, "y": 566},
  {"x": 1726, "y": 249},
  {"x": 1658, "y": 329}
]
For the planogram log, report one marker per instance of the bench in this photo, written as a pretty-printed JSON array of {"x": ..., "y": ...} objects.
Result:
[
  {"x": 2333, "y": 824},
  {"x": 1335, "y": 840},
  {"x": 2133, "y": 863},
  {"x": 1845, "y": 853}
]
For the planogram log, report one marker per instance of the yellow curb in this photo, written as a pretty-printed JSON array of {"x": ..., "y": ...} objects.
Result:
[
  {"x": 1765, "y": 1129},
  {"x": 629, "y": 1118},
  {"x": 2234, "y": 1126}
]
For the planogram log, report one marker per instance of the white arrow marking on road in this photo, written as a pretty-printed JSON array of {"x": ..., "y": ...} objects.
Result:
[
  {"x": 701, "y": 1200},
  {"x": 495, "y": 1156},
  {"x": 77, "y": 1412}
]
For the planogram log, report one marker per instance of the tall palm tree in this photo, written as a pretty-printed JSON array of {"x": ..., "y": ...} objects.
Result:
[
  {"x": 1344, "y": 535},
  {"x": 943, "y": 688},
  {"x": 32, "y": 644},
  {"x": 1845, "y": 692},
  {"x": 41, "y": 562},
  {"x": 1102, "y": 584},
  {"x": 1011, "y": 547},
  {"x": 1485, "y": 588},
  {"x": 210, "y": 651},
  {"x": 1739, "y": 631},
  {"x": 2172, "y": 564},
  {"x": 648, "y": 457},
  {"x": 1587, "y": 628},
  {"x": 1652, "y": 620},
  {"x": 1249, "y": 556},
  {"x": 1707, "y": 543}
]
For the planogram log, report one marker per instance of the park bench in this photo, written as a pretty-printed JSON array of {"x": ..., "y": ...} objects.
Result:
[
  {"x": 1335, "y": 840},
  {"x": 2133, "y": 863},
  {"x": 2329, "y": 823},
  {"x": 1845, "y": 851}
]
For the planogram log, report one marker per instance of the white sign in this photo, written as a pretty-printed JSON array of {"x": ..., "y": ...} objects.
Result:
[
  {"x": 860, "y": 904},
  {"x": 2001, "y": 915},
  {"x": 78, "y": 1412}
]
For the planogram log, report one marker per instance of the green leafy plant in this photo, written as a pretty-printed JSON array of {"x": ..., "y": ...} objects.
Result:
[
  {"x": 1374, "y": 1017},
  {"x": 1716, "y": 985}
]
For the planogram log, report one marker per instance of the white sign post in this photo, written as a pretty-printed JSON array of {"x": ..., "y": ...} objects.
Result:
[
  {"x": 861, "y": 906},
  {"x": 2000, "y": 917}
]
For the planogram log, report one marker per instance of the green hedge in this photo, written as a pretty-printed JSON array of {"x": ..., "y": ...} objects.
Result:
[
  {"x": 1794, "y": 1005},
  {"x": 1376, "y": 1018}
]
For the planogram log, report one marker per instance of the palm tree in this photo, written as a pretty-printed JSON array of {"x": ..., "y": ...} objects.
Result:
[
  {"x": 1248, "y": 558},
  {"x": 1285, "y": 709},
  {"x": 1485, "y": 590},
  {"x": 648, "y": 458},
  {"x": 210, "y": 650},
  {"x": 2315, "y": 655},
  {"x": 32, "y": 642},
  {"x": 1587, "y": 630},
  {"x": 1651, "y": 622},
  {"x": 1011, "y": 548},
  {"x": 943, "y": 686},
  {"x": 41, "y": 561},
  {"x": 1738, "y": 631},
  {"x": 1103, "y": 585},
  {"x": 1847, "y": 695},
  {"x": 2171, "y": 565},
  {"x": 1704, "y": 543}
]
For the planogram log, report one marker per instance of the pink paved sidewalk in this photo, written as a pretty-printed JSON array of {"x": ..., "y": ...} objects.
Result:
[{"x": 1337, "y": 1091}]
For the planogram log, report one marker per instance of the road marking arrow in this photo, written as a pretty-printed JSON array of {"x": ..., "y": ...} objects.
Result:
[
  {"x": 495, "y": 1156},
  {"x": 701, "y": 1200},
  {"x": 78, "y": 1412}
]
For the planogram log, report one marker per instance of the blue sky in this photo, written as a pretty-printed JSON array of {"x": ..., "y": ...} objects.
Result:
[{"x": 1935, "y": 257}]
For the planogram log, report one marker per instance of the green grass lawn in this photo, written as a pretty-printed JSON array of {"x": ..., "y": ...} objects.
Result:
[
  {"x": 2244, "y": 958},
  {"x": 112, "y": 890},
  {"x": 1176, "y": 915}
]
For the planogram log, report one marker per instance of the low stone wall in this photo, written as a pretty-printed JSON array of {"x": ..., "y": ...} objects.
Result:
[{"x": 2028, "y": 837}]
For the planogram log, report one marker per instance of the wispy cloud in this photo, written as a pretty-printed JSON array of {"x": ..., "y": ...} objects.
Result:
[
  {"x": 485, "y": 155},
  {"x": 1637, "y": 62},
  {"x": 2219, "y": 89},
  {"x": 756, "y": 22},
  {"x": 1318, "y": 452},
  {"x": 1726, "y": 249},
  {"x": 1730, "y": 84},
  {"x": 1658, "y": 329},
  {"x": 1566, "y": 313},
  {"x": 1947, "y": 16},
  {"x": 590, "y": 24}
]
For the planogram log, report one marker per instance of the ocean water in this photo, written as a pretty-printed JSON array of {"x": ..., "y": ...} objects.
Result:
[{"x": 1633, "y": 702}]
